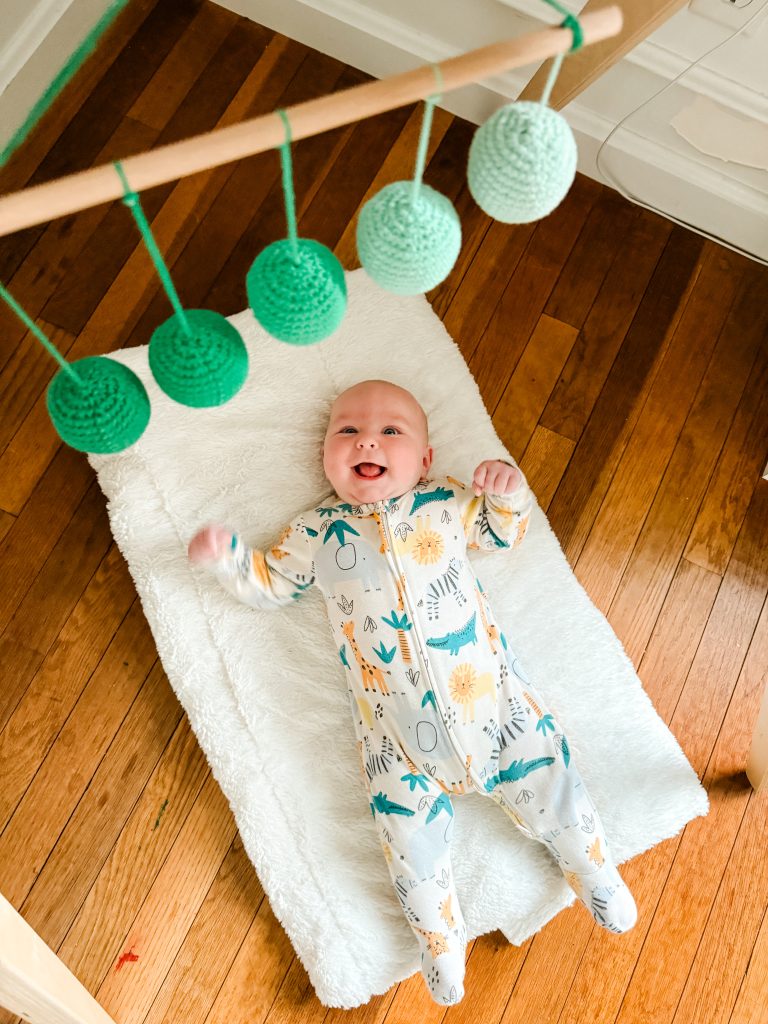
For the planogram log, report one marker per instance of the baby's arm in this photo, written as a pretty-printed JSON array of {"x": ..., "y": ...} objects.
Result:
[
  {"x": 262, "y": 579},
  {"x": 496, "y": 510}
]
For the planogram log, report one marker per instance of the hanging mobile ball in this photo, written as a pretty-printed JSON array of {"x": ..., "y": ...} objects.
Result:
[
  {"x": 296, "y": 286},
  {"x": 408, "y": 234},
  {"x": 196, "y": 356},
  {"x": 199, "y": 360},
  {"x": 96, "y": 404},
  {"x": 522, "y": 161},
  {"x": 101, "y": 407}
]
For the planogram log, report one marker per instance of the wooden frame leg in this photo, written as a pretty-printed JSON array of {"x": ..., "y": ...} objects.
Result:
[
  {"x": 757, "y": 763},
  {"x": 34, "y": 983}
]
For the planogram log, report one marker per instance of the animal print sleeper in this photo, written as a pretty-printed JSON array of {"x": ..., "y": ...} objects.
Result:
[{"x": 442, "y": 706}]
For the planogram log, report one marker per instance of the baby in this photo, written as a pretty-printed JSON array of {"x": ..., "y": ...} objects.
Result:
[{"x": 441, "y": 703}]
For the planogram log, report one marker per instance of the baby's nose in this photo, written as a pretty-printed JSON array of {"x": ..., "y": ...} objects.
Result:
[{"x": 366, "y": 442}]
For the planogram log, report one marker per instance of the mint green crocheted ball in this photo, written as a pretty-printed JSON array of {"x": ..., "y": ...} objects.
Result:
[
  {"x": 205, "y": 369},
  {"x": 522, "y": 162},
  {"x": 298, "y": 301},
  {"x": 105, "y": 413},
  {"x": 408, "y": 246}
]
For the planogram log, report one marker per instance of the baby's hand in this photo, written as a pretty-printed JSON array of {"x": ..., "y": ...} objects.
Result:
[
  {"x": 209, "y": 544},
  {"x": 495, "y": 477}
]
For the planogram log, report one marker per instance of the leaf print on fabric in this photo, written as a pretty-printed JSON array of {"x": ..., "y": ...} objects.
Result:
[{"x": 370, "y": 625}]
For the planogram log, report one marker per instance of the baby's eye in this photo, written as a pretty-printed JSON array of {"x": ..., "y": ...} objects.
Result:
[
  {"x": 348, "y": 430},
  {"x": 390, "y": 430}
]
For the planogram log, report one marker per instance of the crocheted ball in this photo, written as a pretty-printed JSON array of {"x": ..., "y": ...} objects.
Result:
[
  {"x": 205, "y": 369},
  {"x": 522, "y": 162},
  {"x": 408, "y": 246},
  {"x": 105, "y": 413},
  {"x": 298, "y": 300}
]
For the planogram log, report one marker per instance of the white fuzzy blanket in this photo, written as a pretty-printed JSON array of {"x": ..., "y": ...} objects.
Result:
[{"x": 265, "y": 691}]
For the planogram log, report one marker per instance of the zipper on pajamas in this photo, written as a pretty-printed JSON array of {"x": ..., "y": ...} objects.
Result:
[{"x": 422, "y": 645}]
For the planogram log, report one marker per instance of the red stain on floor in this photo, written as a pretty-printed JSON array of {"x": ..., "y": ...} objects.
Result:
[{"x": 129, "y": 957}]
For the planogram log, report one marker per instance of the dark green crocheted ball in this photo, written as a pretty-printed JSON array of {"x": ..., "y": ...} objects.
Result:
[
  {"x": 105, "y": 413},
  {"x": 298, "y": 300},
  {"x": 205, "y": 369}
]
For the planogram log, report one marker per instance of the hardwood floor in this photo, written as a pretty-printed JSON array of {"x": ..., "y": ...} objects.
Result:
[{"x": 625, "y": 363}]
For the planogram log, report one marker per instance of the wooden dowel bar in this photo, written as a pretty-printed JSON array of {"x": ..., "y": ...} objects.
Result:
[{"x": 101, "y": 184}]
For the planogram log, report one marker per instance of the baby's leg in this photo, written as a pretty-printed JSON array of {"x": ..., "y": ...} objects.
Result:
[
  {"x": 539, "y": 786},
  {"x": 414, "y": 820}
]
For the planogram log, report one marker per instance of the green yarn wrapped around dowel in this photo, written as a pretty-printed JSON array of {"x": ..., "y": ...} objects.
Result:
[
  {"x": 408, "y": 243},
  {"x": 102, "y": 407},
  {"x": 522, "y": 162},
  {"x": 200, "y": 364},
  {"x": 297, "y": 291}
]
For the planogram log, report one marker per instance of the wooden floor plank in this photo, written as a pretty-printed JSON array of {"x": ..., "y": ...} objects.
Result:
[
  {"x": 152, "y": 791},
  {"x": 620, "y": 519},
  {"x": 753, "y": 994},
  {"x": 219, "y": 927},
  {"x": 714, "y": 693},
  {"x": 157, "y": 933},
  {"x": 544, "y": 463},
  {"x": 601, "y": 445},
  {"x": 667, "y": 527},
  {"x": 525, "y": 396},
  {"x": 89, "y": 730},
  {"x": 604, "y": 328},
  {"x": 603, "y": 239},
  {"x": 31, "y": 729}
]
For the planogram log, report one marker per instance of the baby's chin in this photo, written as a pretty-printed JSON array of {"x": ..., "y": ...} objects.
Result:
[{"x": 363, "y": 493}]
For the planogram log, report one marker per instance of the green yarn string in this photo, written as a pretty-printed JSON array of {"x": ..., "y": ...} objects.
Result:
[
  {"x": 288, "y": 193},
  {"x": 573, "y": 23},
  {"x": 32, "y": 326},
  {"x": 426, "y": 128},
  {"x": 132, "y": 201},
  {"x": 67, "y": 72}
]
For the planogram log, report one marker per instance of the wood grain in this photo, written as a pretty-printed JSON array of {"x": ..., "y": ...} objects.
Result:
[{"x": 624, "y": 361}]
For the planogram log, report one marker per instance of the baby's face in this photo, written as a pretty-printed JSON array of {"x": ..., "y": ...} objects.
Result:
[{"x": 376, "y": 445}]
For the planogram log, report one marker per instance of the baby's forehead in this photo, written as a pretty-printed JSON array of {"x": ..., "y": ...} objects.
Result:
[{"x": 382, "y": 400}]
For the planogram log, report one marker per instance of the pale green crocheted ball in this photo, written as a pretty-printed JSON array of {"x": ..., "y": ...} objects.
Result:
[
  {"x": 105, "y": 413},
  {"x": 205, "y": 369},
  {"x": 408, "y": 246},
  {"x": 522, "y": 162},
  {"x": 302, "y": 301}
]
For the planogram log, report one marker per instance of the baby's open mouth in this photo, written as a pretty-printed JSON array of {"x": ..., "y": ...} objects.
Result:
[{"x": 369, "y": 470}]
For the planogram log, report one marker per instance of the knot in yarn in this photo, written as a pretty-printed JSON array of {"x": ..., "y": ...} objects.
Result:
[
  {"x": 297, "y": 291},
  {"x": 408, "y": 243},
  {"x": 201, "y": 366},
  {"x": 522, "y": 162},
  {"x": 103, "y": 411}
]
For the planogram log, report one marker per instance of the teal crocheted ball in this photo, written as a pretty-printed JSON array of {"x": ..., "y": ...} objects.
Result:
[
  {"x": 205, "y": 369},
  {"x": 522, "y": 162},
  {"x": 299, "y": 301},
  {"x": 408, "y": 246},
  {"x": 105, "y": 413}
]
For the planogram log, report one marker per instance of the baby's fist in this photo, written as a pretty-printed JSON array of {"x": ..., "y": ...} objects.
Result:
[
  {"x": 495, "y": 477},
  {"x": 209, "y": 544}
]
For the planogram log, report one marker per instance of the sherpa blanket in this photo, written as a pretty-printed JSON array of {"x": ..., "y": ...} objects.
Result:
[{"x": 265, "y": 691}]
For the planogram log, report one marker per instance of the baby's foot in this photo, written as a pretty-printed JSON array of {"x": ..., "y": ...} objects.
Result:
[
  {"x": 444, "y": 977},
  {"x": 606, "y": 896}
]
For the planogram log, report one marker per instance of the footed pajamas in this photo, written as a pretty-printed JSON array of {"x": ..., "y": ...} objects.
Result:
[{"x": 441, "y": 703}]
